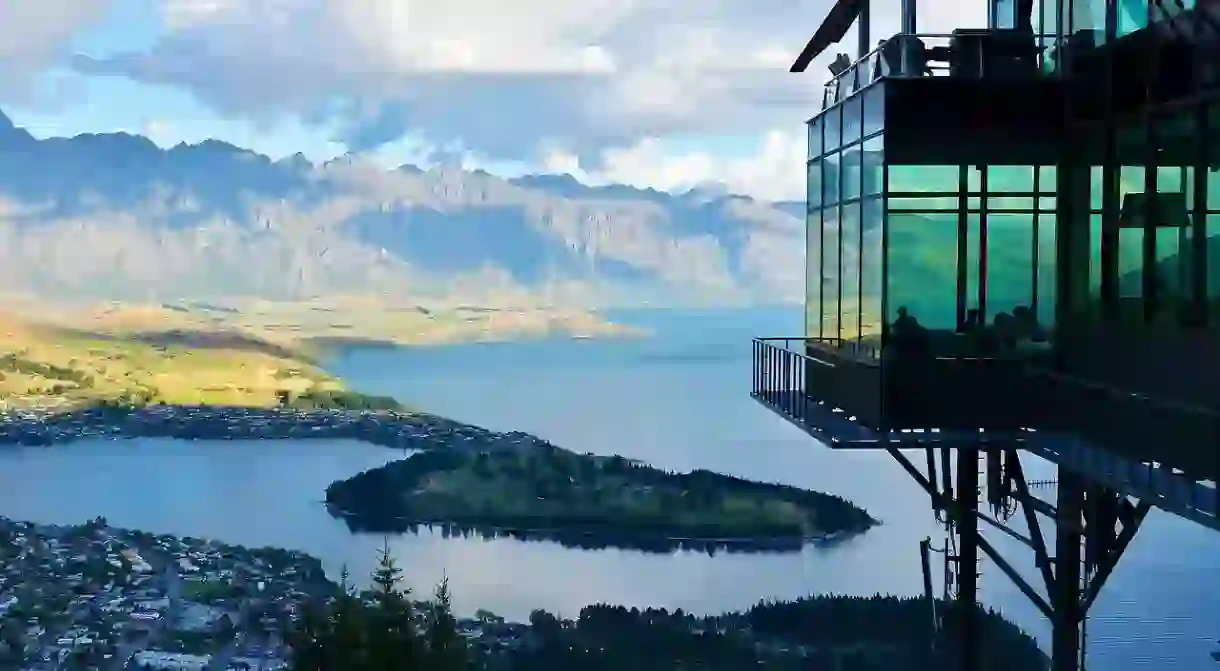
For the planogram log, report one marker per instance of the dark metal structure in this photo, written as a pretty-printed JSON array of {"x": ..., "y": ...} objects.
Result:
[{"x": 1013, "y": 247}]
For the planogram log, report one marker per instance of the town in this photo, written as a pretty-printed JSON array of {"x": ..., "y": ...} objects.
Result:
[
  {"x": 95, "y": 597},
  {"x": 91, "y": 596},
  {"x": 394, "y": 429}
]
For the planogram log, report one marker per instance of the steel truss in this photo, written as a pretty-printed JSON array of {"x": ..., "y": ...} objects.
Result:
[{"x": 1093, "y": 525}]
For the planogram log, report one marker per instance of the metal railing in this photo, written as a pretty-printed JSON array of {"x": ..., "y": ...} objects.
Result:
[
  {"x": 898, "y": 56},
  {"x": 860, "y": 348},
  {"x": 778, "y": 374},
  {"x": 908, "y": 56},
  {"x": 788, "y": 375}
]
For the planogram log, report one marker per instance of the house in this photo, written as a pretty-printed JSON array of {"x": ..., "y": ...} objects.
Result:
[{"x": 170, "y": 661}]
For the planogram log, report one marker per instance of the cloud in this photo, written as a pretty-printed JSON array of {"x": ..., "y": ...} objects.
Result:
[
  {"x": 158, "y": 130},
  {"x": 501, "y": 78},
  {"x": 774, "y": 172},
  {"x": 592, "y": 80},
  {"x": 36, "y": 35}
]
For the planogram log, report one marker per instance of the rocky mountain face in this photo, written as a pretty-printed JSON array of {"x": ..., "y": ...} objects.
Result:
[{"x": 114, "y": 216}]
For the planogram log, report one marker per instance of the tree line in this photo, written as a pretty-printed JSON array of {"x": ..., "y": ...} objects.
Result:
[{"x": 383, "y": 630}]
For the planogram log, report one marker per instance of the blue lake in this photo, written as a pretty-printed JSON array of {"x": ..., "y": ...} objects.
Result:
[{"x": 677, "y": 400}]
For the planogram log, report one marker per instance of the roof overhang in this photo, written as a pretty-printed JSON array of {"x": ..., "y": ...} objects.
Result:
[{"x": 833, "y": 28}]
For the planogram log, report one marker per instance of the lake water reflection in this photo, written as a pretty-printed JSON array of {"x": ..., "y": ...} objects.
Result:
[{"x": 678, "y": 400}]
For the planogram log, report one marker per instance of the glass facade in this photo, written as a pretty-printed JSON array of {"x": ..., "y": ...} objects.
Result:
[
  {"x": 1130, "y": 235},
  {"x": 945, "y": 245},
  {"x": 1066, "y": 25},
  {"x": 846, "y": 172},
  {"x": 1152, "y": 231},
  {"x": 970, "y": 248}
]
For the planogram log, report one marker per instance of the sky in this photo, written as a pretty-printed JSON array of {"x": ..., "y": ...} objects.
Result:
[{"x": 663, "y": 93}]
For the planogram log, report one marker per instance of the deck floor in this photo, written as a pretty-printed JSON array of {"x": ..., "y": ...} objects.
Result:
[{"x": 1145, "y": 476}]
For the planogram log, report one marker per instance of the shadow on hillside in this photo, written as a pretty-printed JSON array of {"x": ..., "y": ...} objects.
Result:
[{"x": 196, "y": 339}]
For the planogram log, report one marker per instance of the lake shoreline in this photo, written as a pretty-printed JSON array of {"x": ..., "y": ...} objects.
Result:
[
  {"x": 588, "y": 502},
  {"x": 418, "y": 432},
  {"x": 216, "y": 581},
  {"x": 586, "y": 539},
  {"x": 392, "y": 429}
]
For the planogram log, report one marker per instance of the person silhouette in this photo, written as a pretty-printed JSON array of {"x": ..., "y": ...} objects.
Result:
[
  {"x": 904, "y": 323},
  {"x": 910, "y": 337}
]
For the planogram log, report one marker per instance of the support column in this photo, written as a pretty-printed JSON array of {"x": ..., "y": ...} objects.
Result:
[
  {"x": 1069, "y": 594},
  {"x": 1065, "y": 599},
  {"x": 968, "y": 557},
  {"x": 864, "y": 44},
  {"x": 1073, "y": 243}
]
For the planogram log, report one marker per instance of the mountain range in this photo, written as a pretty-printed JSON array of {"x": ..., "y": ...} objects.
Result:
[{"x": 114, "y": 216}]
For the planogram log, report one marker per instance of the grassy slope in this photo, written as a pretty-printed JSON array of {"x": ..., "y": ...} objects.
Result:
[
  {"x": 238, "y": 353},
  {"x": 43, "y": 366}
]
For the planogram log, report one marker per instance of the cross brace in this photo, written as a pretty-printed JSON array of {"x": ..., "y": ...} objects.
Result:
[{"x": 1093, "y": 527}]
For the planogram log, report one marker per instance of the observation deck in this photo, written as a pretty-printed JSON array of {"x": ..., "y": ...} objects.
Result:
[
  {"x": 1013, "y": 246},
  {"x": 1011, "y": 236}
]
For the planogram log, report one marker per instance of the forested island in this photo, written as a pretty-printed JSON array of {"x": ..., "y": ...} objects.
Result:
[{"x": 543, "y": 491}]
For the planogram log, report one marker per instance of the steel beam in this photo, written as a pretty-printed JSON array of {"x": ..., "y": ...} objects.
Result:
[{"x": 1080, "y": 516}]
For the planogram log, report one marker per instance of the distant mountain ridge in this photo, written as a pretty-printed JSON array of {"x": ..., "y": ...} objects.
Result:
[{"x": 115, "y": 216}]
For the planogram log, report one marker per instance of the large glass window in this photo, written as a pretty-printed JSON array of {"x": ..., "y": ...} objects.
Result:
[
  {"x": 1213, "y": 267},
  {"x": 1022, "y": 203},
  {"x": 871, "y": 276},
  {"x": 815, "y": 138},
  {"x": 1046, "y": 285},
  {"x": 1213, "y": 191},
  {"x": 851, "y": 172},
  {"x": 1172, "y": 245},
  {"x": 849, "y": 286},
  {"x": 1005, "y": 14},
  {"x": 1079, "y": 23},
  {"x": 1130, "y": 180},
  {"x": 1010, "y": 263},
  {"x": 813, "y": 184},
  {"x": 873, "y": 159},
  {"x": 874, "y": 109},
  {"x": 1096, "y": 228},
  {"x": 1086, "y": 16},
  {"x": 1047, "y": 179},
  {"x": 922, "y": 269},
  {"x": 830, "y": 273},
  {"x": 1010, "y": 178},
  {"x": 1154, "y": 283},
  {"x": 1171, "y": 179},
  {"x": 1133, "y": 15},
  {"x": 832, "y": 136},
  {"x": 851, "y": 119},
  {"x": 1130, "y": 274},
  {"x": 922, "y": 203},
  {"x": 1097, "y": 182},
  {"x": 923, "y": 178},
  {"x": 813, "y": 274},
  {"x": 974, "y": 249},
  {"x": 830, "y": 179}
]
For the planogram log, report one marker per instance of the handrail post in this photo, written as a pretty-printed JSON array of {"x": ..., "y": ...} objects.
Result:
[
  {"x": 754, "y": 367},
  {"x": 908, "y": 17}
]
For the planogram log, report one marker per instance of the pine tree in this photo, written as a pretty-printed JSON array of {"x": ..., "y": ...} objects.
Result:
[
  {"x": 394, "y": 638},
  {"x": 386, "y": 577},
  {"x": 446, "y": 648},
  {"x": 384, "y": 634},
  {"x": 333, "y": 636}
]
